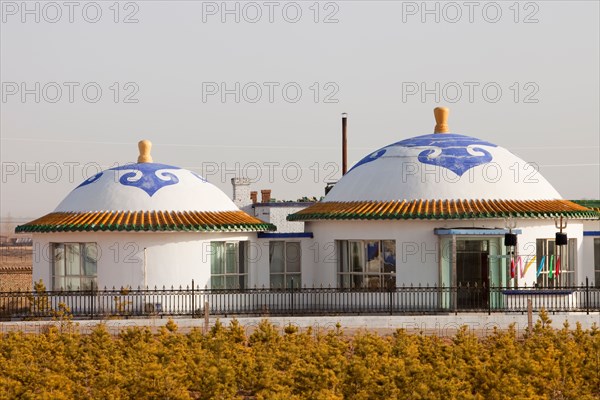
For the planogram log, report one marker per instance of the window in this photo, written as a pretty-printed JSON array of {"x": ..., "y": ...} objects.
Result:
[
  {"x": 367, "y": 264},
  {"x": 74, "y": 266},
  {"x": 597, "y": 261},
  {"x": 547, "y": 251},
  {"x": 284, "y": 263},
  {"x": 228, "y": 265}
]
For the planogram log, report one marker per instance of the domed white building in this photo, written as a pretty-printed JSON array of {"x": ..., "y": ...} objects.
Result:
[
  {"x": 443, "y": 210},
  {"x": 144, "y": 225},
  {"x": 434, "y": 210}
]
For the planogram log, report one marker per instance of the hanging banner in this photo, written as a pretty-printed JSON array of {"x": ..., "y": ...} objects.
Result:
[
  {"x": 512, "y": 268},
  {"x": 557, "y": 272},
  {"x": 551, "y": 267},
  {"x": 539, "y": 270},
  {"x": 531, "y": 261},
  {"x": 517, "y": 262}
]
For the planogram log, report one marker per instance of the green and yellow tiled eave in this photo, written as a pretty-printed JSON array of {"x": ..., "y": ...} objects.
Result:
[
  {"x": 443, "y": 209},
  {"x": 591, "y": 204},
  {"x": 132, "y": 221}
]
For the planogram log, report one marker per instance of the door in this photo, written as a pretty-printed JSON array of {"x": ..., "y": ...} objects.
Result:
[{"x": 472, "y": 278}]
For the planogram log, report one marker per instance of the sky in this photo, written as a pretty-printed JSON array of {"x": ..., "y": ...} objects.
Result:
[{"x": 257, "y": 89}]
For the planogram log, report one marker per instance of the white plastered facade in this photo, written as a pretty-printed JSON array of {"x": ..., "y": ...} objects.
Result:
[{"x": 419, "y": 249}]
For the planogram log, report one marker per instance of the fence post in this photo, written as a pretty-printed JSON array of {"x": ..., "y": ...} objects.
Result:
[
  {"x": 92, "y": 301},
  {"x": 193, "y": 299},
  {"x": 391, "y": 301},
  {"x": 292, "y": 296},
  {"x": 529, "y": 316},
  {"x": 587, "y": 295},
  {"x": 206, "y": 320},
  {"x": 455, "y": 291},
  {"x": 489, "y": 299}
]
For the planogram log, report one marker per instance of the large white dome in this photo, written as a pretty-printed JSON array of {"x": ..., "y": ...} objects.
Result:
[
  {"x": 146, "y": 187},
  {"x": 442, "y": 176},
  {"x": 442, "y": 166}
]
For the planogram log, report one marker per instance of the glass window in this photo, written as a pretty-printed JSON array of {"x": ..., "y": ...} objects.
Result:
[
  {"x": 284, "y": 264},
  {"x": 231, "y": 260},
  {"x": 228, "y": 265},
  {"x": 557, "y": 263},
  {"x": 217, "y": 260},
  {"x": 597, "y": 261},
  {"x": 367, "y": 264},
  {"x": 74, "y": 266}
]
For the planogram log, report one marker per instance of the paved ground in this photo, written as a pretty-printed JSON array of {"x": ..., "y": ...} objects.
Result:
[{"x": 442, "y": 325}]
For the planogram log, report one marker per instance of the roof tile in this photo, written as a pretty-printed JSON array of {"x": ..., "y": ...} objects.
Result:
[
  {"x": 443, "y": 209},
  {"x": 146, "y": 220}
]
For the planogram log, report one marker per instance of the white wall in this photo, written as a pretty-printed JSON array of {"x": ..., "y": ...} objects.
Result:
[
  {"x": 260, "y": 259},
  {"x": 418, "y": 248},
  {"x": 172, "y": 258},
  {"x": 175, "y": 258},
  {"x": 545, "y": 229},
  {"x": 277, "y": 215},
  {"x": 588, "y": 249}
]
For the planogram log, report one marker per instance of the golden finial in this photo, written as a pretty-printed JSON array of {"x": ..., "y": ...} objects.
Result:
[
  {"x": 145, "y": 146},
  {"x": 441, "y": 119}
]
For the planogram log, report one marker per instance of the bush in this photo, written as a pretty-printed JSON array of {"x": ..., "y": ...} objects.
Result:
[{"x": 272, "y": 363}]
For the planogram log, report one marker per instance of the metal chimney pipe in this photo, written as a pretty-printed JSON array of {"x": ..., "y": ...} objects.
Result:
[{"x": 344, "y": 143}]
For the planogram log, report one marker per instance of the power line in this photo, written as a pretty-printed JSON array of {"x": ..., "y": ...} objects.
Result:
[{"x": 246, "y": 146}]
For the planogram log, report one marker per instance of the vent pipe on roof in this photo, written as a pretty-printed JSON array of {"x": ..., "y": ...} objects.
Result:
[
  {"x": 344, "y": 143},
  {"x": 144, "y": 146},
  {"x": 441, "y": 120}
]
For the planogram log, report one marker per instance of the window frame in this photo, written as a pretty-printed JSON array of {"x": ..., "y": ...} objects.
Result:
[
  {"x": 86, "y": 281},
  {"x": 355, "y": 268},
  {"x": 285, "y": 272},
  {"x": 596, "y": 250},
  {"x": 240, "y": 275},
  {"x": 567, "y": 277}
]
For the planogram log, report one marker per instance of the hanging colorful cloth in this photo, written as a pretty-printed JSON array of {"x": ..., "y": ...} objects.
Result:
[
  {"x": 519, "y": 263},
  {"x": 551, "y": 267},
  {"x": 512, "y": 268},
  {"x": 557, "y": 272},
  {"x": 531, "y": 261},
  {"x": 539, "y": 270}
]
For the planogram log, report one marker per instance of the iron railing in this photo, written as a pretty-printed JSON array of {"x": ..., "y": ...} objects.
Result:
[{"x": 195, "y": 302}]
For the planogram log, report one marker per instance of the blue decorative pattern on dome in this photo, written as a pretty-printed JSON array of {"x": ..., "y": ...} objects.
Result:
[
  {"x": 91, "y": 179},
  {"x": 371, "y": 157},
  {"x": 150, "y": 177},
  {"x": 458, "y": 153}
]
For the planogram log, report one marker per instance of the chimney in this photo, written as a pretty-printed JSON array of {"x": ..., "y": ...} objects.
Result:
[
  {"x": 265, "y": 195},
  {"x": 344, "y": 143},
  {"x": 253, "y": 196},
  {"x": 241, "y": 192}
]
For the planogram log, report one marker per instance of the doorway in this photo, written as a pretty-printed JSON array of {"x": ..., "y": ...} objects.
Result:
[{"x": 472, "y": 275}]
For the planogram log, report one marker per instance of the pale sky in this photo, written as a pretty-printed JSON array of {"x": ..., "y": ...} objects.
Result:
[{"x": 289, "y": 69}]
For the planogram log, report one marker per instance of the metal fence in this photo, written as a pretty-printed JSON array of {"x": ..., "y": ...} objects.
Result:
[{"x": 195, "y": 302}]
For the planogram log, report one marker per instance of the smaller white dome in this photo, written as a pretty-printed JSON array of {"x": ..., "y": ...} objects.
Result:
[{"x": 146, "y": 186}]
